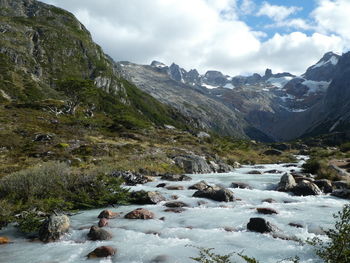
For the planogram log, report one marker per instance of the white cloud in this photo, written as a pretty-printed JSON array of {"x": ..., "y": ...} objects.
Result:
[
  {"x": 333, "y": 17},
  {"x": 247, "y": 7},
  {"x": 277, "y": 12},
  {"x": 202, "y": 34},
  {"x": 295, "y": 23}
]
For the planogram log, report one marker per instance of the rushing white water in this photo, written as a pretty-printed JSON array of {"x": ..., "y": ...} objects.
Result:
[{"x": 200, "y": 225}]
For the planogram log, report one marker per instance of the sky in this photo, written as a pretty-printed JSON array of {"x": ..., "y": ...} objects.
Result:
[{"x": 237, "y": 37}]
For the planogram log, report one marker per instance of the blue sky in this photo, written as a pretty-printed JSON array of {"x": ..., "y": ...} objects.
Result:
[{"x": 233, "y": 36}]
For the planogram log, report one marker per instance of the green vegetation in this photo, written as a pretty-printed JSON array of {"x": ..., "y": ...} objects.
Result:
[
  {"x": 54, "y": 186},
  {"x": 337, "y": 248}
]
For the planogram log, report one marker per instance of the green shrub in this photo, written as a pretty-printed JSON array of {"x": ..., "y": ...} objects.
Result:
[
  {"x": 311, "y": 166},
  {"x": 337, "y": 248},
  {"x": 345, "y": 147}
]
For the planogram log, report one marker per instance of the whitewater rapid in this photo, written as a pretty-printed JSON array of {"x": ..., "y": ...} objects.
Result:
[{"x": 204, "y": 225}]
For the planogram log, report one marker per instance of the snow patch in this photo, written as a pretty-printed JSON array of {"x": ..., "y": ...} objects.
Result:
[
  {"x": 229, "y": 86},
  {"x": 279, "y": 82},
  {"x": 333, "y": 60},
  {"x": 316, "y": 86},
  {"x": 209, "y": 86}
]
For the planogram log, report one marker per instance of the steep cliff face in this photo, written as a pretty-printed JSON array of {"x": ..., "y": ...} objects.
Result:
[{"x": 41, "y": 44}]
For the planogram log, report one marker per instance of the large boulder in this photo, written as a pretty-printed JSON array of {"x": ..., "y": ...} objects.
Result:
[
  {"x": 342, "y": 193},
  {"x": 130, "y": 178},
  {"x": 202, "y": 185},
  {"x": 97, "y": 233},
  {"x": 325, "y": 185},
  {"x": 176, "y": 177},
  {"x": 286, "y": 183},
  {"x": 54, "y": 227},
  {"x": 102, "y": 252},
  {"x": 193, "y": 164},
  {"x": 144, "y": 197},
  {"x": 304, "y": 188},
  {"x": 215, "y": 193},
  {"x": 341, "y": 185},
  {"x": 108, "y": 214},
  {"x": 140, "y": 213},
  {"x": 258, "y": 224}
]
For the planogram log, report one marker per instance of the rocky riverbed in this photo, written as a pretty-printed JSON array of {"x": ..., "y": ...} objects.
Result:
[{"x": 168, "y": 230}]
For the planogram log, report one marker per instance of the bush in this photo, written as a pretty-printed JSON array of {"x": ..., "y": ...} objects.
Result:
[
  {"x": 337, "y": 248},
  {"x": 52, "y": 186},
  {"x": 311, "y": 166}
]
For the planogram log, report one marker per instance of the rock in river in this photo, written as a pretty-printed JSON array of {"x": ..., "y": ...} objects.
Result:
[
  {"x": 216, "y": 194},
  {"x": 102, "y": 252},
  {"x": 140, "y": 213},
  {"x": 258, "y": 224},
  {"x": 54, "y": 227},
  {"x": 108, "y": 214},
  {"x": 97, "y": 233}
]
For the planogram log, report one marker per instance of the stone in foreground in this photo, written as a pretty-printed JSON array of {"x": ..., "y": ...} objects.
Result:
[
  {"x": 102, "y": 252},
  {"x": 54, "y": 227}
]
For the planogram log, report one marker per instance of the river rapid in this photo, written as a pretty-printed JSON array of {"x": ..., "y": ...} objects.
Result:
[{"x": 218, "y": 225}]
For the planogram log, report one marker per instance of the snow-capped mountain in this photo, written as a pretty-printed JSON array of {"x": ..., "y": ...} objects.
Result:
[{"x": 268, "y": 107}]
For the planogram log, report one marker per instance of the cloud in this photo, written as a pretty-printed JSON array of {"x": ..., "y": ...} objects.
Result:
[
  {"x": 277, "y": 12},
  {"x": 201, "y": 34},
  {"x": 333, "y": 17},
  {"x": 247, "y": 7}
]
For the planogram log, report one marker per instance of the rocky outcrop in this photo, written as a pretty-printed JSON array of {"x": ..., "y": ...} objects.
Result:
[
  {"x": 130, "y": 178},
  {"x": 266, "y": 211},
  {"x": 215, "y": 193},
  {"x": 102, "y": 252},
  {"x": 287, "y": 183},
  {"x": 108, "y": 214},
  {"x": 140, "y": 213},
  {"x": 192, "y": 164},
  {"x": 97, "y": 233},
  {"x": 54, "y": 228},
  {"x": 324, "y": 185},
  {"x": 260, "y": 225}
]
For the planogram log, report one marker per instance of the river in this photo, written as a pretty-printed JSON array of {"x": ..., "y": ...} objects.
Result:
[{"x": 205, "y": 225}]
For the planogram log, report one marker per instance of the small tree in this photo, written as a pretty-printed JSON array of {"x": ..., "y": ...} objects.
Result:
[
  {"x": 78, "y": 91},
  {"x": 337, "y": 248}
]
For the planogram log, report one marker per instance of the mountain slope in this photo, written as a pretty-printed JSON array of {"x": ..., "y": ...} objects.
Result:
[{"x": 42, "y": 46}]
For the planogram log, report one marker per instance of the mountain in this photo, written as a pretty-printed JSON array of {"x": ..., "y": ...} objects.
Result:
[
  {"x": 269, "y": 107},
  {"x": 42, "y": 46}
]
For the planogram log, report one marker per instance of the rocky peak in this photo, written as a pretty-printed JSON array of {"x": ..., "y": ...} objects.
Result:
[
  {"x": 176, "y": 73},
  {"x": 157, "y": 64},
  {"x": 268, "y": 73},
  {"x": 214, "y": 77},
  {"x": 324, "y": 69}
]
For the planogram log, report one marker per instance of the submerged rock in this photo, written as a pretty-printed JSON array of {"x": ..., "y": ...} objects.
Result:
[
  {"x": 266, "y": 211},
  {"x": 103, "y": 222},
  {"x": 176, "y": 177},
  {"x": 258, "y": 224},
  {"x": 140, "y": 213},
  {"x": 54, "y": 227},
  {"x": 254, "y": 172},
  {"x": 286, "y": 183},
  {"x": 176, "y": 204},
  {"x": 175, "y": 187},
  {"x": 102, "y": 252},
  {"x": 97, "y": 233},
  {"x": 175, "y": 210},
  {"x": 241, "y": 185},
  {"x": 341, "y": 193},
  {"x": 269, "y": 200},
  {"x": 108, "y": 214},
  {"x": 215, "y": 193}
]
